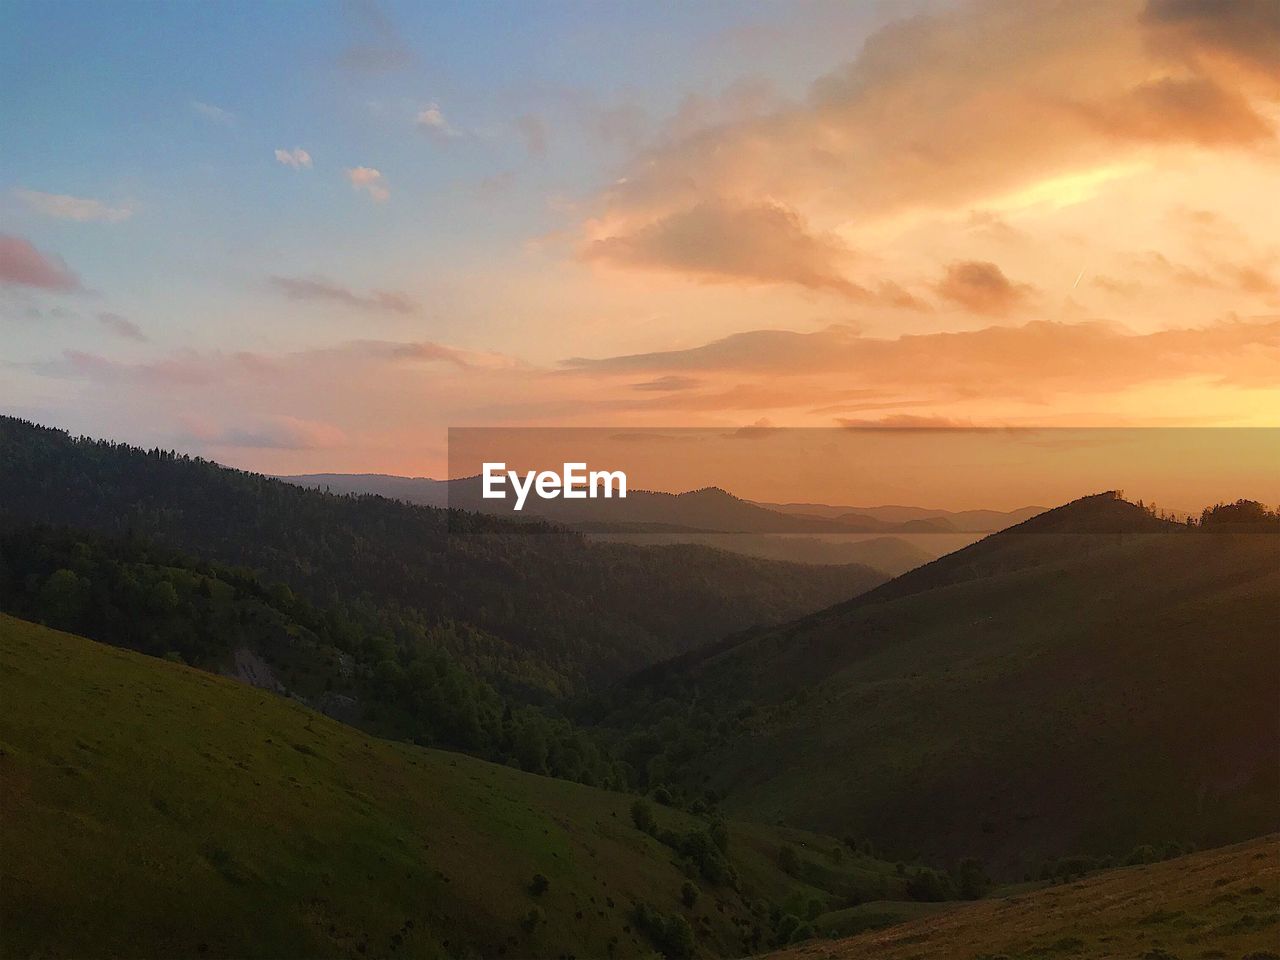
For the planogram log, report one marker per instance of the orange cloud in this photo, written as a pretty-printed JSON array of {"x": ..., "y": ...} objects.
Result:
[
  {"x": 985, "y": 100},
  {"x": 718, "y": 241},
  {"x": 1024, "y": 362},
  {"x": 1210, "y": 34},
  {"x": 981, "y": 287}
]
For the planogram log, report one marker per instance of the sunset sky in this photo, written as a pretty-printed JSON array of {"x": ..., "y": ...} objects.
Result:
[{"x": 303, "y": 237}]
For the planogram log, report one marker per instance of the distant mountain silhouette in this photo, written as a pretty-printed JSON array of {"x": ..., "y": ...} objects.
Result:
[
  {"x": 707, "y": 510},
  {"x": 966, "y": 521}
]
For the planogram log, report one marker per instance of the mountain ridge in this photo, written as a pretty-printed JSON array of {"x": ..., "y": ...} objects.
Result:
[{"x": 928, "y": 713}]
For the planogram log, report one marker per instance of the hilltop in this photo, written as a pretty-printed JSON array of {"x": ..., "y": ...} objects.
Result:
[{"x": 1090, "y": 680}]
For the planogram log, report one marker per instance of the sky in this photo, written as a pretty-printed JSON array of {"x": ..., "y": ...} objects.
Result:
[{"x": 313, "y": 237}]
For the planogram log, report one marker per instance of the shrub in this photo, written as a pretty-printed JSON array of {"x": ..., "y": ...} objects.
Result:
[{"x": 538, "y": 885}]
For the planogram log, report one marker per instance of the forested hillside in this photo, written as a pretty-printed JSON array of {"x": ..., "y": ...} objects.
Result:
[
  {"x": 1093, "y": 679},
  {"x": 132, "y": 594},
  {"x": 538, "y": 612}
]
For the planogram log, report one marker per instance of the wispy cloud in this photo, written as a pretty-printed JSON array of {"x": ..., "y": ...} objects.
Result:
[
  {"x": 370, "y": 181},
  {"x": 63, "y": 206},
  {"x": 667, "y": 384},
  {"x": 22, "y": 265},
  {"x": 122, "y": 327},
  {"x": 1027, "y": 362},
  {"x": 317, "y": 288},
  {"x": 296, "y": 158},
  {"x": 276, "y": 432},
  {"x": 214, "y": 113}
]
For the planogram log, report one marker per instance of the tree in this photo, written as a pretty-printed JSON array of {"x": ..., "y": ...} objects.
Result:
[
  {"x": 928, "y": 886},
  {"x": 789, "y": 860},
  {"x": 531, "y": 747},
  {"x": 62, "y": 597},
  {"x": 677, "y": 939},
  {"x": 642, "y": 816},
  {"x": 972, "y": 882},
  {"x": 689, "y": 894},
  {"x": 538, "y": 885}
]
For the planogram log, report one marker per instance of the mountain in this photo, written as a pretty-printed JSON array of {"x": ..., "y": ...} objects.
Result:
[
  {"x": 964, "y": 521},
  {"x": 1221, "y": 903},
  {"x": 536, "y": 610},
  {"x": 1089, "y": 680},
  {"x": 708, "y": 510},
  {"x": 155, "y": 810},
  {"x": 420, "y": 490},
  {"x": 890, "y": 555}
]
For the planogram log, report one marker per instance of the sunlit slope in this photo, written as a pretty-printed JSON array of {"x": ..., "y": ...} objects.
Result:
[
  {"x": 154, "y": 810},
  {"x": 1219, "y": 903},
  {"x": 1037, "y": 695}
]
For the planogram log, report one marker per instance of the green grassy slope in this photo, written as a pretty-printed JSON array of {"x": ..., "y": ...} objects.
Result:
[
  {"x": 150, "y": 809},
  {"x": 1036, "y": 695},
  {"x": 1216, "y": 904}
]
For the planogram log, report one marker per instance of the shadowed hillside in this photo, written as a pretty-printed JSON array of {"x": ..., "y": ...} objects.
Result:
[{"x": 1090, "y": 680}]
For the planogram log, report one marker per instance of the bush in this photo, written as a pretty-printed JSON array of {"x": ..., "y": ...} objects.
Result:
[{"x": 538, "y": 885}]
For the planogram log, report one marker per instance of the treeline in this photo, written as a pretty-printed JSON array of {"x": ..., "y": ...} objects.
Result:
[
  {"x": 538, "y": 612},
  {"x": 1066, "y": 869},
  {"x": 1242, "y": 516},
  {"x": 393, "y": 677}
]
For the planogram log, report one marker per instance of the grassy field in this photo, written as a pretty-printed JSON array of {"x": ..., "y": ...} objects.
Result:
[
  {"x": 1222, "y": 903},
  {"x": 150, "y": 809}
]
